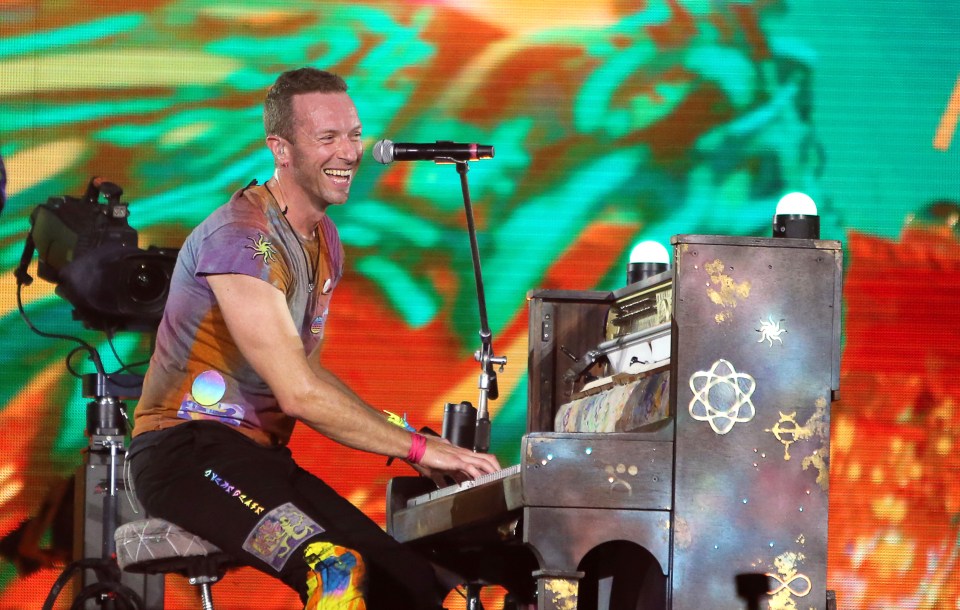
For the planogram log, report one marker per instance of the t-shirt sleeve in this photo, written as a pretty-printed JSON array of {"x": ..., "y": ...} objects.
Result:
[{"x": 243, "y": 249}]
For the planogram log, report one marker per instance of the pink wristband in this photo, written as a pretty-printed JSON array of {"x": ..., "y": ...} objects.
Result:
[{"x": 418, "y": 447}]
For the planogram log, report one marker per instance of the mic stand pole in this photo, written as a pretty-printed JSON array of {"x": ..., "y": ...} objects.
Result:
[{"x": 485, "y": 355}]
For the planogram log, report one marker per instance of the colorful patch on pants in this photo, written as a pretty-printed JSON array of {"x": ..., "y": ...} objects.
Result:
[
  {"x": 335, "y": 579},
  {"x": 279, "y": 533}
]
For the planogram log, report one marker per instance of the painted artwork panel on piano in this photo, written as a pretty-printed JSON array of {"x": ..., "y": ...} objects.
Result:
[{"x": 752, "y": 417}]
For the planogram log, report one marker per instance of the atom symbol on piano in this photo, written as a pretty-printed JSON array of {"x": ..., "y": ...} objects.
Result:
[
  {"x": 771, "y": 331},
  {"x": 721, "y": 396}
]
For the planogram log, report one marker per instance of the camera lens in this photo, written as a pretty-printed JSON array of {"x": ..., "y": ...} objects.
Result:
[{"x": 147, "y": 283}]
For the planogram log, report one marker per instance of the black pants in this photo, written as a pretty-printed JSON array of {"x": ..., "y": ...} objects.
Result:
[{"x": 257, "y": 504}]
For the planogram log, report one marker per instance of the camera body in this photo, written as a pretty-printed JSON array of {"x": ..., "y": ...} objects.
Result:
[{"x": 89, "y": 250}]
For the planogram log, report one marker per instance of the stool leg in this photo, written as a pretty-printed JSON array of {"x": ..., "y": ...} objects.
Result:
[
  {"x": 206, "y": 596},
  {"x": 473, "y": 597}
]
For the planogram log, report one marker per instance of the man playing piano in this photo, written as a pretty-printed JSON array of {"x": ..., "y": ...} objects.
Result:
[{"x": 237, "y": 364}]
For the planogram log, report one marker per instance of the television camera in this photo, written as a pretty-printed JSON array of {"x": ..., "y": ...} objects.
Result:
[{"x": 88, "y": 249}]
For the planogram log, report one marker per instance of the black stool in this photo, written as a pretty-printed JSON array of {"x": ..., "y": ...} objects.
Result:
[{"x": 155, "y": 546}]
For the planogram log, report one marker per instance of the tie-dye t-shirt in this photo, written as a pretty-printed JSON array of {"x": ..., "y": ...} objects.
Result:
[{"x": 197, "y": 371}]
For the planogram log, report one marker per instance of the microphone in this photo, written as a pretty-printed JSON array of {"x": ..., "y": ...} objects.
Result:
[{"x": 385, "y": 151}]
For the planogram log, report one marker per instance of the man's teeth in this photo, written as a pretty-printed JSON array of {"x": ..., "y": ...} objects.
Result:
[{"x": 339, "y": 173}]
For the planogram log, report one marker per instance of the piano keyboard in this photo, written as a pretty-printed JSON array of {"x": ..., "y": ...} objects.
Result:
[{"x": 452, "y": 489}]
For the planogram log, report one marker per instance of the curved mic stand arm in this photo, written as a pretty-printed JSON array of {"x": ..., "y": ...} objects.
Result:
[{"x": 485, "y": 355}]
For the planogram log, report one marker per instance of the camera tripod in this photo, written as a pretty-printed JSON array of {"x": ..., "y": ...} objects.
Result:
[{"x": 102, "y": 583}]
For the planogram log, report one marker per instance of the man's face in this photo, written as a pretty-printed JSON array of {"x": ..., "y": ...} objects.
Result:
[{"x": 327, "y": 147}]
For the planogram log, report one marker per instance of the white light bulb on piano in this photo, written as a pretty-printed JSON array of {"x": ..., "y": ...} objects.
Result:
[
  {"x": 648, "y": 258},
  {"x": 797, "y": 203},
  {"x": 649, "y": 251},
  {"x": 796, "y": 216}
]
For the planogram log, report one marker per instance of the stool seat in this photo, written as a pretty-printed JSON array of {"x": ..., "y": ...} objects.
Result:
[{"x": 155, "y": 546}]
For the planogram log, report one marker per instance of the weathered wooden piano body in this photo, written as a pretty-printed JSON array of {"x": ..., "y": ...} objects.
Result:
[{"x": 728, "y": 477}]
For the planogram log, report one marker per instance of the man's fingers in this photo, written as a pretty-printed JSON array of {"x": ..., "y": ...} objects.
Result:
[
  {"x": 488, "y": 463},
  {"x": 477, "y": 464},
  {"x": 462, "y": 463}
]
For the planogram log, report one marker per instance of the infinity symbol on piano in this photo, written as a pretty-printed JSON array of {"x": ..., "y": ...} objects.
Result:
[{"x": 788, "y": 584}]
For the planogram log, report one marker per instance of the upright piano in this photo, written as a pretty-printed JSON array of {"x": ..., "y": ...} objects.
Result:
[{"x": 677, "y": 443}]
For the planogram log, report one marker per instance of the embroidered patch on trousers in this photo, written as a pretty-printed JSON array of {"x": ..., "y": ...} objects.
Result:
[
  {"x": 279, "y": 533},
  {"x": 335, "y": 580}
]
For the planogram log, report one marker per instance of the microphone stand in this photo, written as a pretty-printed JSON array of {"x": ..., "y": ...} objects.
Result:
[{"x": 485, "y": 355}]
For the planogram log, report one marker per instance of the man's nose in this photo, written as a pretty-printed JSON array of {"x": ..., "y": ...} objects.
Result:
[{"x": 349, "y": 150}]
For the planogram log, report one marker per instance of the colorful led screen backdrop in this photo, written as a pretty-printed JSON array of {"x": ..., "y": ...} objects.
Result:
[{"x": 613, "y": 121}]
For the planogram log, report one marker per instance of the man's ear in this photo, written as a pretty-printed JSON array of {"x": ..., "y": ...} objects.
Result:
[{"x": 277, "y": 147}]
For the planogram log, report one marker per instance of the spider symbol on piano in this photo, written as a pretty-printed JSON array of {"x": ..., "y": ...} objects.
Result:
[{"x": 770, "y": 331}]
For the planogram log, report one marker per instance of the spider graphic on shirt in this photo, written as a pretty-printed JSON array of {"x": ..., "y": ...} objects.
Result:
[{"x": 261, "y": 247}]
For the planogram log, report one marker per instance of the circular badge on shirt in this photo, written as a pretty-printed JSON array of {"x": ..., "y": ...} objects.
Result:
[
  {"x": 316, "y": 327},
  {"x": 208, "y": 388}
]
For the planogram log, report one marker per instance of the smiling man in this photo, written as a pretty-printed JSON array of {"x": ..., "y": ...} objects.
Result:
[{"x": 237, "y": 364}]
